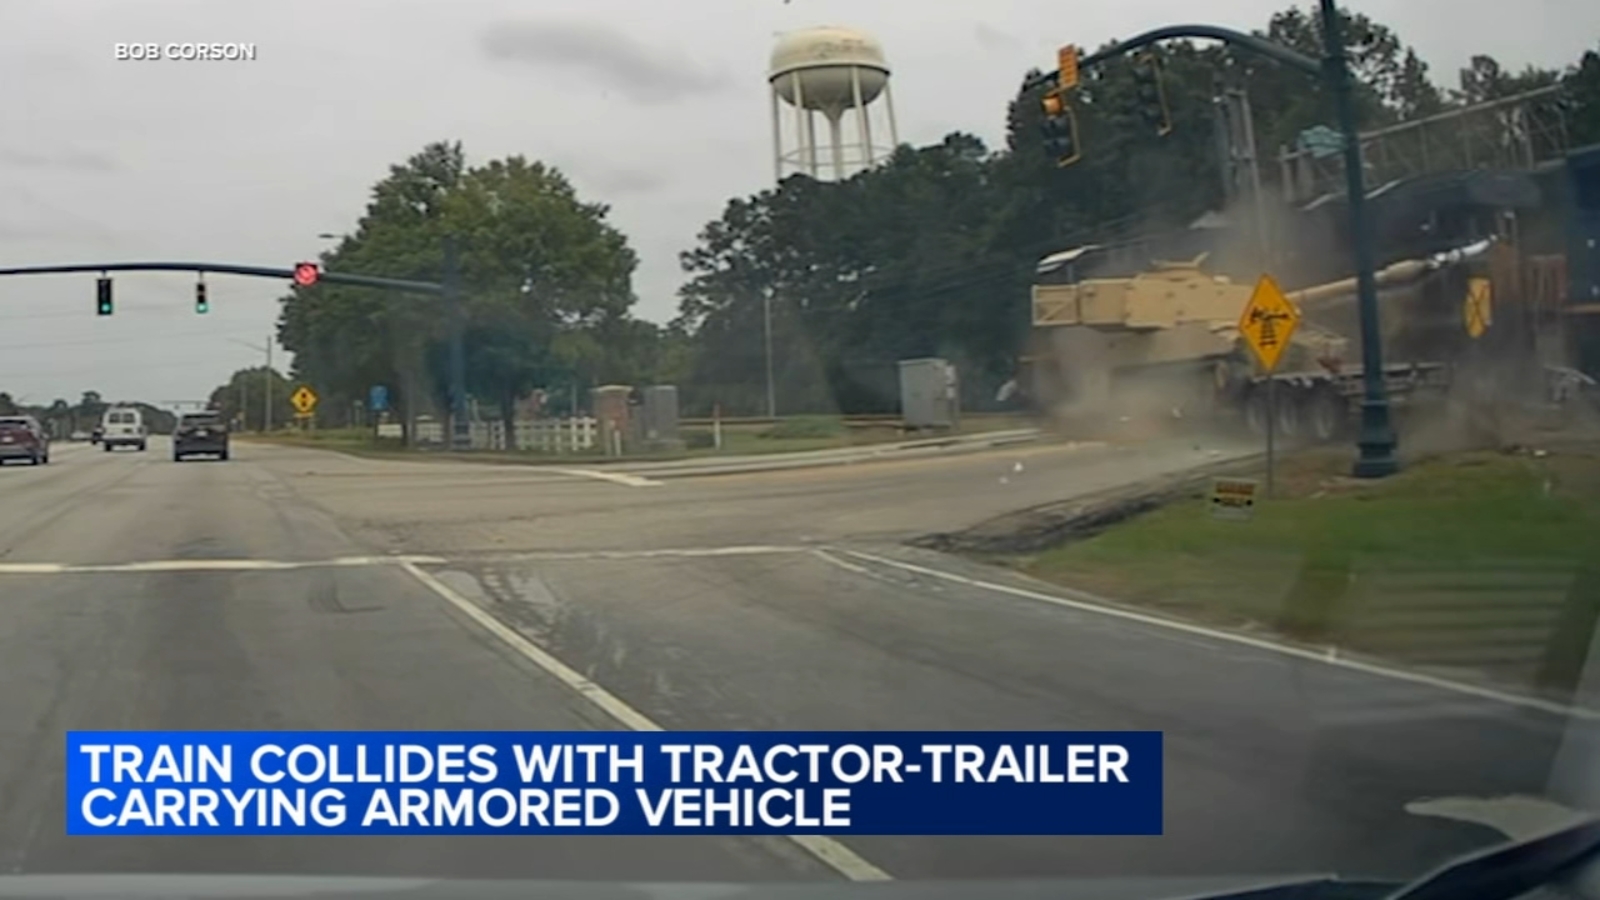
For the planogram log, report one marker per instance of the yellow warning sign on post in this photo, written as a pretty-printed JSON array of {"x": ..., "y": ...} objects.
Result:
[
  {"x": 1067, "y": 67},
  {"x": 1478, "y": 308},
  {"x": 1267, "y": 323},
  {"x": 304, "y": 400}
]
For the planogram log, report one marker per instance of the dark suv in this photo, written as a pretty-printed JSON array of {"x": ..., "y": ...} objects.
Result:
[
  {"x": 21, "y": 437},
  {"x": 200, "y": 434}
]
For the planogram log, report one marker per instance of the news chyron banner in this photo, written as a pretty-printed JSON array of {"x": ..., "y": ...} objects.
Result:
[{"x": 718, "y": 783}]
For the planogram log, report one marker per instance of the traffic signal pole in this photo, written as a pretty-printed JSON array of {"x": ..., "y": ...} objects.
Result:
[
  {"x": 1376, "y": 442},
  {"x": 200, "y": 268},
  {"x": 450, "y": 289}
]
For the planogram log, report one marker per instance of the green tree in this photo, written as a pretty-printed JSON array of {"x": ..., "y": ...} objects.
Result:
[
  {"x": 243, "y": 399},
  {"x": 1583, "y": 99},
  {"x": 537, "y": 263}
]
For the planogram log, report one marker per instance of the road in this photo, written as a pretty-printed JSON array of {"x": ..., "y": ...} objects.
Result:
[{"x": 348, "y": 593}]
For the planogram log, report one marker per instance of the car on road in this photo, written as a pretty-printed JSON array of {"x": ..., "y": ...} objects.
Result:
[
  {"x": 123, "y": 427},
  {"x": 200, "y": 434},
  {"x": 21, "y": 437}
]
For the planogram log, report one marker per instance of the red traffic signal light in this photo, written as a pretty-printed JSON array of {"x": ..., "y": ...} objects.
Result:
[{"x": 306, "y": 274}]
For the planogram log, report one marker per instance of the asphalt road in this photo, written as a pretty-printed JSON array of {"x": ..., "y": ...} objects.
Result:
[{"x": 765, "y": 600}]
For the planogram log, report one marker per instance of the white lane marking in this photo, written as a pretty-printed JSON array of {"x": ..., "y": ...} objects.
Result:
[
  {"x": 1517, "y": 816},
  {"x": 212, "y": 565},
  {"x": 825, "y": 849},
  {"x": 31, "y": 568},
  {"x": 829, "y": 558},
  {"x": 613, "y": 477},
  {"x": 1324, "y": 657},
  {"x": 667, "y": 553},
  {"x": 270, "y": 565}
]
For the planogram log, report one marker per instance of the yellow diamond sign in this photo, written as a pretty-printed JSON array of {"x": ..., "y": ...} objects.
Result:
[
  {"x": 1478, "y": 310},
  {"x": 304, "y": 400},
  {"x": 1267, "y": 323}
]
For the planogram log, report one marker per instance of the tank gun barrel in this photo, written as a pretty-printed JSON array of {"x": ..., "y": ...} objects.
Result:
[{"x": 1394, "y": 273}]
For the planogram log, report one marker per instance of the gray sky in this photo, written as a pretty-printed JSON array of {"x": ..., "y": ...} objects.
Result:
[{"x": 658, "y": 109}]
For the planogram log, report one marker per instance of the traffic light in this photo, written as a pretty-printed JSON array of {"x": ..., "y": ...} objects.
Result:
[
  {"x": 103, "y": 296},
  {"x": 1152, "y": 93},
  {"x": 201, "y": 304},
  {"x": 1059, "y": 129},
  {"x": 306, "y": 274}
]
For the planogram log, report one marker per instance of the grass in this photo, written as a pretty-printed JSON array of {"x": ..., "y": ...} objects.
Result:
[{"x": 1481, "y": 561}]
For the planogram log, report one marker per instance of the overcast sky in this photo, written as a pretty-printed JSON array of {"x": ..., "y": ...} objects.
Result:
[{"x": 657, "y": 108}]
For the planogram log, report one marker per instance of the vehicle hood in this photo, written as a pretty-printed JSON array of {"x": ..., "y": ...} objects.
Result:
[{"x": 274, "y": 887}]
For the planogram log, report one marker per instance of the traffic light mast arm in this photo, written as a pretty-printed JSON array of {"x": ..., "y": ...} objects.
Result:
[
  {"x": 1213, "y": 32},
  {"x": 396, "y": 284}
]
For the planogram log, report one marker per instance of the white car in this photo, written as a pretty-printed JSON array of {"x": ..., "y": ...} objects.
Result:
[{"x": 123, "y": 427}]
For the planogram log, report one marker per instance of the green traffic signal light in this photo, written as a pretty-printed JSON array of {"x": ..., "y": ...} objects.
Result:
[
  {"x": 201, "y": 305},
  {"x": 103, "y": 297}
]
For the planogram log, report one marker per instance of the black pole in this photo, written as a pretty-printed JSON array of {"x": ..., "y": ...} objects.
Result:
[
  {"x": 460, "y": 429},
  {"x": 1376, "y": 442}
]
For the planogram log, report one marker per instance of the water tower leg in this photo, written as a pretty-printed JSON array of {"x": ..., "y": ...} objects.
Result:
[
  {"x": 863, "y": 121},
  {"x": 888, "y": 105},
  {"x": 811, "y": 144},
  {"x": 777, "y": 138},
  {"x": 805, "y": 135},
  {"x": 836, "y": 138}
]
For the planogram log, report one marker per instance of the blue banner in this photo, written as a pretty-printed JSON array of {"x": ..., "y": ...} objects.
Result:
[{"x": 722, "y": 783}]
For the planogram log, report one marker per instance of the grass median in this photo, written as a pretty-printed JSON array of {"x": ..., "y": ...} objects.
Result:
[{"x": 1474, "y": 561}]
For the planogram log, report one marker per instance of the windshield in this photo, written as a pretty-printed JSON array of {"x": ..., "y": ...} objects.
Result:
[{"x": 808, "y": 367}]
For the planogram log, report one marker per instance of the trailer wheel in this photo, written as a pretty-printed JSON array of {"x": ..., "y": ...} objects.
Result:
[
  {"x": 1255, "y": 410},
  {"x": 1290, "y": 403},
  {"x": 1325, "y": 414}
]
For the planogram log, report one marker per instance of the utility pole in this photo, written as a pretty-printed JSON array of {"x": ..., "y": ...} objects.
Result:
[
  {"x": 460, "y": 428},
  {"x": 766, "y": 327},
  {"x": 1241, "y": 162},
  {"x": 266, "y": 411}
]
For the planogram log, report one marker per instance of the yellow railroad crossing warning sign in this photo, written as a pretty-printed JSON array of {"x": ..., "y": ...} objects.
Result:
[
  {"x": 1478, "y": 308},
  {"x": 1067, "y": 67},
  {"x": 1268, "y": 321},
  {"x": 304, "y": 400}
]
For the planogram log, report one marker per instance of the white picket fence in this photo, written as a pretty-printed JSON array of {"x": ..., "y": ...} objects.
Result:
[{"x": 570, "y": 435}]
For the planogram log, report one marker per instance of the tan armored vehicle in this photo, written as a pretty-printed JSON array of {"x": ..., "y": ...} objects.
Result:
[{"x": 1167, "y": 342}]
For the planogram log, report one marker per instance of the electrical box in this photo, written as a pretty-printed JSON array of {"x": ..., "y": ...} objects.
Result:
[
  {"x": 928, "y": 393},
  {"x": 660, "y": 413}
]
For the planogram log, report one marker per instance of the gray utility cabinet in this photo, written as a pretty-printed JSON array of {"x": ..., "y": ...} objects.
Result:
[
  {"x": 928, "y": 394},
  {"x": 660, "y": 412}
]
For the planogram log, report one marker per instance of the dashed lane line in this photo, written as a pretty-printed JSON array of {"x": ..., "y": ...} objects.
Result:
[{"x": 826, "y": 850}]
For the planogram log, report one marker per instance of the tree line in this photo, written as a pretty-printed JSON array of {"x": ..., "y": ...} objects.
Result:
[{"x": 929, "y": 254}]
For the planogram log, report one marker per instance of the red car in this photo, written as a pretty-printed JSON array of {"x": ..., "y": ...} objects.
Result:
[{"x": 22, "y": 438}]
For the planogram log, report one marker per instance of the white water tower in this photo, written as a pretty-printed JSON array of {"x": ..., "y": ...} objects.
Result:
[{"x": 830, "y": 71}]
